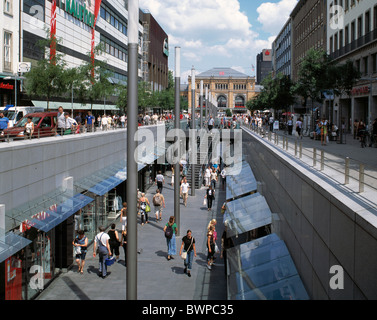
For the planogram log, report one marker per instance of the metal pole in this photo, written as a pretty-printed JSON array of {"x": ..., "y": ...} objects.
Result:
[
  {"x": 322, "y": 160},
  {"x": 193, "y": 127},
  {"x": 314, "y": 157},
  {"x": 72, "y": 101},
  {"x": 177, "y": 127},
  {"x": 206, "y": 118},
  {"x": 201, "y": 104},
  {"x": 15, "y": 92},
  {"x": 132, "y": 181}
]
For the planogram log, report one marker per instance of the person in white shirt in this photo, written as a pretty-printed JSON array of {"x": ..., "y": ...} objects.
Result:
[
  {"x": 101, "y": 241},
  {"x": 207, "y": 176},
  {"x": 223, "y": 178},
  {"x": 104, "y": 122},
  {"x": 123, "y": 121},
  {"x": 185, "y": 190},
  {"x": 160, "y": 180},
  {"x": 61, "y": 121},
  {"x": 69, "y": 123}
]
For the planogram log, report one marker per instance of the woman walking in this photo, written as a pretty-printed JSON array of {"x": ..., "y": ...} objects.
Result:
[
  {"x": 124, "y": 245},
  {"x": 143, "y": 203},
  {"x": 170, "y": 231},
  {"x": 323, "y": 125},
  {"x": 210, "y": 246},
  {"x": 81, "y": 242},
  {"x": 188, "y": 246},
  {"x": 114, "y": 241},
  {"x": 210, "y": 196},
  {"x": 123, "y": 216}
]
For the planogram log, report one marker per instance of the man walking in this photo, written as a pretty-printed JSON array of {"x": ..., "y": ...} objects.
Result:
[
  {"x": 4, "y": 122},
  {"x": 158, "y": 203},
  {"x": 160, "y": 181},
  {"x": 101, "y": 242},
  {"x": 61, "y": 121},
  {"x": 89, "y": 122},
  {"x": 185, "y": 190},
  {"x": 211, "y": 123}
]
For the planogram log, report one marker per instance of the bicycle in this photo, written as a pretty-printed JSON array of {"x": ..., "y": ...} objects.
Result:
[
  {"x": 363, "y": 135},
  {"x": 306, "y": 132}
]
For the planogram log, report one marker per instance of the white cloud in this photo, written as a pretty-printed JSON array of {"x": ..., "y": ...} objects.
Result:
[{"x": 273, "y": 16}]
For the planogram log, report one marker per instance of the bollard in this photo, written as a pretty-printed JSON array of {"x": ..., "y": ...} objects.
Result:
[
  {"x": 322, "y": 160},
  {"x": 283, "y": 143},
  {"x": 295, "y": 148},
  {"x": 347, "y": 171},
  {"x": 286, "y": 144},
  {"x": 361, "y": 178},
  {"x": 269, "y": 136},
  {"x": 300, "y": 150},
  {"x": 277, "y": 140},
  {"x": 314, "y": 157}
]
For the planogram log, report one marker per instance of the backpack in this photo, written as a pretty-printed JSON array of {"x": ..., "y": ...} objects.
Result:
[
  {"x": 169, "y": 232},
  {"x": 157, "y": 200}
]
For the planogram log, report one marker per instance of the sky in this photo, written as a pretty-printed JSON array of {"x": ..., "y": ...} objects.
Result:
[{"x": 219, "y": 33}]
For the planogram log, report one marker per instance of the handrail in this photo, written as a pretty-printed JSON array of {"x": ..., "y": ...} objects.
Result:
[{"x": 342, "y": 168}]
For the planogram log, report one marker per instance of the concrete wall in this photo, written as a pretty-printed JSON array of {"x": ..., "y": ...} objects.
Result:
[
  {"x": 30, "y": 169},
  {"x": 321, "y": 224}
]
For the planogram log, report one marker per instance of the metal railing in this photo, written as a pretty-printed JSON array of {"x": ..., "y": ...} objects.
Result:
[{"x": 348, "y": 172}]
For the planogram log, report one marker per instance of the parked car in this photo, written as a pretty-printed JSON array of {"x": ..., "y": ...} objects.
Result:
[
  {"x": 15, "y": 114},
  {"x": 44, "y": 126}
]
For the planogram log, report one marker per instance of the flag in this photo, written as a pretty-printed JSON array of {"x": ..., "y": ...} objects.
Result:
[
  {"x": 252, "y": 67},
  {"x": 53, "y": 32}
]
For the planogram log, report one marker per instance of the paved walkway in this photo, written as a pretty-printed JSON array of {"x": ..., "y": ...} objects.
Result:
[{"x": 158, "y": 278}]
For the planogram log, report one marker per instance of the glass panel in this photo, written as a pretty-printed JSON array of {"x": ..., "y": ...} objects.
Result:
[
  {"x": 240, "y": 180},
  {"x": 10, "y": 243},
  {"x": 246, "y": 214}
]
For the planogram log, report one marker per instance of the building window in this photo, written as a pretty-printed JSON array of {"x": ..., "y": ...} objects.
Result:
[
  {"x": 8, "y": 7},
  {"x": 7, "y": 51},
  {"x": 366, "y": 69},
  {"x": 374, "y": 57}
]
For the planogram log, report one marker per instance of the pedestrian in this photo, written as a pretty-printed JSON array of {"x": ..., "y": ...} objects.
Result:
[
  {"x": 210, "y": 196},
  {"x": 99, "y": 120},
  {"x": 104, "y": 122},
  {"x": 29, "y": 127},
  {"x": 184, "y": 190},
  {"x": 160, "y": 181},
  {"x": 89, "y": 122},
  {"x": 172, "y": 175},
  {"x": 355, "y": 128},
  {"x": 170, "y": 231},
  {"x": 226, "y": 243},
  {"x": 188, "y": 246},
  {"x": 144, "y": 204},
  {"x": 298, "y": 128},
  {"x": 124, "y": 245},
  {"x": 123, "y": 216},
  {"x": 101, "y": 242},
  {"x": 323, "y": 125},
  {"x": 70, "y": 124},
  {"x": 213, "y": 178},
  {"x": 158, "y": 203},
  {"x": 114, "y": 241},
  {"x": 81, "y": 248},
  {"x": 61, "y": 121},
  {"x": 211, "y": 123},
  {"x": 223, "y": 178},
  {"x": 210, "y": 246},
  {"x": 290, "y": 125},
  {"x": 123, "y": 121},
  {"x": 207, "y": 176},
  {"x": 4, "y": 122}
]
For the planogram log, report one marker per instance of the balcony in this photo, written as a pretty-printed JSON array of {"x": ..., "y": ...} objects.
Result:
[{"x": 355, "y": 44}]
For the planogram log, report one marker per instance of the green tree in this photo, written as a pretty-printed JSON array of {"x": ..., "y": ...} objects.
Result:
[{"x": 47, "y": 79}]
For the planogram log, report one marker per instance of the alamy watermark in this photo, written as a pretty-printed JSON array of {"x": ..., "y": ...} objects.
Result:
[{"x": 336, "y": 17}]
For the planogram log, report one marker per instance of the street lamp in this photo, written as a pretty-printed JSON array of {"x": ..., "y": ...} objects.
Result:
[
  {"x": 193, "y": 127},
  {"x": 133, "y": 41}
]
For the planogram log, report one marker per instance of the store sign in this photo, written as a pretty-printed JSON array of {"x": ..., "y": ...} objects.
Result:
[
  {"x": 79, "y": 11},
  {"x": 6, "y": 86},
  {"x": 165, "y": 48},
  {"x": 360, "y": 91}
]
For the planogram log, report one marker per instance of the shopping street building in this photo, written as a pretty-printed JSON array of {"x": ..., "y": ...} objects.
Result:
[{"x": 77, "y": 23}]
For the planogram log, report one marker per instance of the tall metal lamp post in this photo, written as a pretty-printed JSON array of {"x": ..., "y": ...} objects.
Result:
[
  {"x": 177, "y": 112},
  {"x": 133, "y": 40},
  {"x": 193, "y": 127}
]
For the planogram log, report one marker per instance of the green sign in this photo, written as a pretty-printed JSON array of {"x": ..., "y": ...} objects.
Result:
[{"x": 79, "y": 11}]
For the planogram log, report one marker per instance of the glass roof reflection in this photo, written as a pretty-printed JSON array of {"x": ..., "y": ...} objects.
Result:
[
  {"x": 240, "y": 181},
  {"x": 246, "y": 214},
  {"x": 10, "y": 243}
]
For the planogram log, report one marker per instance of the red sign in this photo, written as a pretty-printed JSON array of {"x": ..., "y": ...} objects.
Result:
[
  {"x": 360, "y": 91},
  {"x": 267, "y": 53},
  {"x": 6, "y": 86},
  {"x": 222, "y": 73}
]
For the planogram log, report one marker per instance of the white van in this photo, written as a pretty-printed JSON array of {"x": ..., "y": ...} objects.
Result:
[{"x": 14, "y": 114}]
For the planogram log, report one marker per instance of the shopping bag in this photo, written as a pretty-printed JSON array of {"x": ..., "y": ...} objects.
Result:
[
  {"x": 204, "y": 202},
  {"x": 148, "y": 209}
]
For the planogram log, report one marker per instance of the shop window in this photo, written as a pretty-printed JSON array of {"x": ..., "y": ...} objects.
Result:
[{"x": 103, "y": 13}]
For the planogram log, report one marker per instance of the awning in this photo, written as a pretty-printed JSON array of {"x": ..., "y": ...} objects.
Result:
[
  {"x": 68, "y": 106},
  {"x": 10, "y": 243},
  {"x": 263, "y": 270},
  {"x": 240, "y": 181},
  {"x": 246, "y": 214},
  {"x": 47, "y": 211},
  {"x": 61, "y": 213}
]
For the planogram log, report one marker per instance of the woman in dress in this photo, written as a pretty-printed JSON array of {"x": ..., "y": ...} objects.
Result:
[
  {"x": 114, "y": 241},
  {"x": 123, "y": 216},
  {"x": 124, "y": 245},
  {"x": 143, "y": 202},
  {"x": 210, "y": 246}
]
